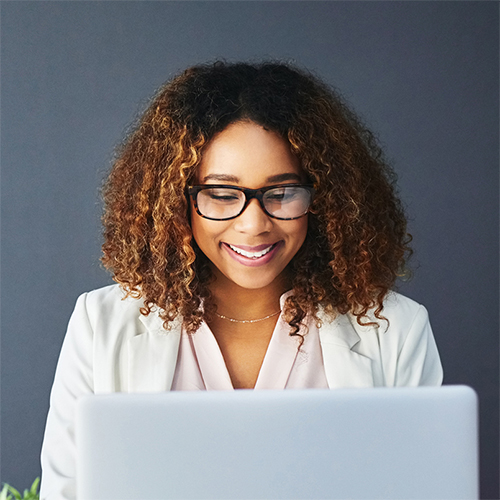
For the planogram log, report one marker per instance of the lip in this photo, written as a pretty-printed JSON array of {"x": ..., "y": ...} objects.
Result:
[{"x": 250, "y": 262}]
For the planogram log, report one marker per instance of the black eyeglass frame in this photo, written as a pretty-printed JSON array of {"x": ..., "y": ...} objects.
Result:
[{"x": 250, "y": 194}]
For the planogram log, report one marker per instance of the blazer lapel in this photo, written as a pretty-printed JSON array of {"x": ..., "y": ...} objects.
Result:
[
  {"x": 344, "y": 367},
  {"x": 152, "y": 356}
]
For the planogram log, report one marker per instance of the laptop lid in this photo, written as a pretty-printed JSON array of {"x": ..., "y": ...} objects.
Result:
[{"x": 387, "y": 443}]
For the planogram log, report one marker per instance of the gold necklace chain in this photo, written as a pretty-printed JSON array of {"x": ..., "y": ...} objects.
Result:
[{"x": 246, "y": 320}]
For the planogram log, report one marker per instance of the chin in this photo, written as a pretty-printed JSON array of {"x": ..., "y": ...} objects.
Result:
[{"x": 255, "y": 282}]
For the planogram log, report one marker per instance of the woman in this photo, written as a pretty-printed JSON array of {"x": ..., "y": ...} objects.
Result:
[{"x": 252, "y": 226}]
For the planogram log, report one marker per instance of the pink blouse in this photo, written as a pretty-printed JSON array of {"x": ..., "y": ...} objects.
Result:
[{"x": 200, "y": 365}]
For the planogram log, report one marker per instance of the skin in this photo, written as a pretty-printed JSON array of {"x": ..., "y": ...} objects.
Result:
[{"x": 247, "y": 155}]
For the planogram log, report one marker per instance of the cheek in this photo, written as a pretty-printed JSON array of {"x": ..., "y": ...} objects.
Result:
[
  {"x": 206, "y": 233},
  {"x": 301, "y": 230},
  {"x": 199, "y": 231},
  {"x": 297, "y": 232}
]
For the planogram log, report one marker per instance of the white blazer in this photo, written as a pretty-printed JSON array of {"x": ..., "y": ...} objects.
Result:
[{"x": 111, "y": 347}]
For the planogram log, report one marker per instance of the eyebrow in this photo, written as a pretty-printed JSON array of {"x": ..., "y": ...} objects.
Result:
[
  {"x": 232, "y": 178},
  {"x": 284, "y": 177},
  {"x": 220, "y": 177}
]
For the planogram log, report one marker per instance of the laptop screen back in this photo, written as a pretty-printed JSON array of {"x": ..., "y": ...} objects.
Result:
[{"x": 404, "y": 443}]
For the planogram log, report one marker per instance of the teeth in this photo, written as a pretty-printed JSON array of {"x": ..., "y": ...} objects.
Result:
[{"x": 251, "y": 255}]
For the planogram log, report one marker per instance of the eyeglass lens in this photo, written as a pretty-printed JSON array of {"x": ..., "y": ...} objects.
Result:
[{"x": 282, "y": 202}]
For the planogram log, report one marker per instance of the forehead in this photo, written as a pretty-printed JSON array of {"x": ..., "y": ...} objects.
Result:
[{"x": 248, "y": 154}]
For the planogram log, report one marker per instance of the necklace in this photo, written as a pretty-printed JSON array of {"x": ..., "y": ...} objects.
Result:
[{"x": 246, "y": 320}]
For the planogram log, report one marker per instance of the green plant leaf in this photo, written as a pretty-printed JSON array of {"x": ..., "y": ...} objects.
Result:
[
  {"x": 34, "y": 487},
  {"x": 31, "y": 494},
  {"x": 16, "y": 493},
  {"x": 4, "y": 492}
]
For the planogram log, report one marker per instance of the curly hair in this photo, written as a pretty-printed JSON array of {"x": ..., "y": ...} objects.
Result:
[{"x": 356, "y": 243}]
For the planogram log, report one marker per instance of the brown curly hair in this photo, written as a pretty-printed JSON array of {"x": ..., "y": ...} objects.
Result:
[{"x": 356, "y": 242}]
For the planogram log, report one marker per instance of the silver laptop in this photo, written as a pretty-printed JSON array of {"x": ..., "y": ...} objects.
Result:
[{"x": 384, "y": 443}]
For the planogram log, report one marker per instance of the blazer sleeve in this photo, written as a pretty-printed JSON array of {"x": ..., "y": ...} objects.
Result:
[
  {"x": 418, "y": 360},
  {"x": 73, "y": 379}
]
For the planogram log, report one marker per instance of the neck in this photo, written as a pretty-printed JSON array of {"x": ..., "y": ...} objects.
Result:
[{"x": 244, "y": 303}]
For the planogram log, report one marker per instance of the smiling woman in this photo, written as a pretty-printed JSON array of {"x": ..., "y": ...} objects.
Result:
[
  {"x": 244, "y": 154},
  {"x": 252, "y": 226}
]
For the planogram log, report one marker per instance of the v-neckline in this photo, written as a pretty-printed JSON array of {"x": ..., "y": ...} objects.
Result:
[{"x": 273, "y": 373}]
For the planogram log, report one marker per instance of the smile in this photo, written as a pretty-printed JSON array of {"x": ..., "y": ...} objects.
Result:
[{"x": 252, "y": 255}]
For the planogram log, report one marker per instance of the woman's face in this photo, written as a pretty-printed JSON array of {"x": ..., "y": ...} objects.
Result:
[{"x": 253, "y": 249}]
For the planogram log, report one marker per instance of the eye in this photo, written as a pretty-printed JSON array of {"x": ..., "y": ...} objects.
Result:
[
  {"x": 282, "y": 195},
  {"x": 221, "y": 195},
  {"x": 276, "y": 194}
]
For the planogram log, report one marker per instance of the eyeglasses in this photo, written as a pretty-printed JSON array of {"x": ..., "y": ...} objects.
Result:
[{"x": 221, "y": 202}]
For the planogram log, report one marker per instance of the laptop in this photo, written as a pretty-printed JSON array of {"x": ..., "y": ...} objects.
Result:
[{"x": 382, "y": 443}]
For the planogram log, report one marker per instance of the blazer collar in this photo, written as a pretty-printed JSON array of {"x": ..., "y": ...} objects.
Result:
[
  {"x": 152, "y": 355},
  {"x": 152, "y": 322},
  {"x": 344, "y": 365}
]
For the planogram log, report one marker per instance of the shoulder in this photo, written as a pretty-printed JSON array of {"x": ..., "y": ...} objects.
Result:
[
  {"x": 108, "y": 308},
  {"x": 107, "y": 296},
  {"x": 404, "y": 327},
  {"x": 397, "y": 311},
  {"x": 401, "y": 348},
  {"x": 400, "y": 316},
  {"x": 407, "y": 344},
  {"x": 400, "y": 312}
]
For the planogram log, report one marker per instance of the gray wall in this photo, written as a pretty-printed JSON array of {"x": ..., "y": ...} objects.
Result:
[{"x": 74, "y": 74}]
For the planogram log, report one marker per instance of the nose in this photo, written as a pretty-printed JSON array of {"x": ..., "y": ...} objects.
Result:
[{"x": 253, "y": 220}]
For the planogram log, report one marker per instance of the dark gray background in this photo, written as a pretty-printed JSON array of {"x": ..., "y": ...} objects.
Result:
[{"x": 74, "y": 75}]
